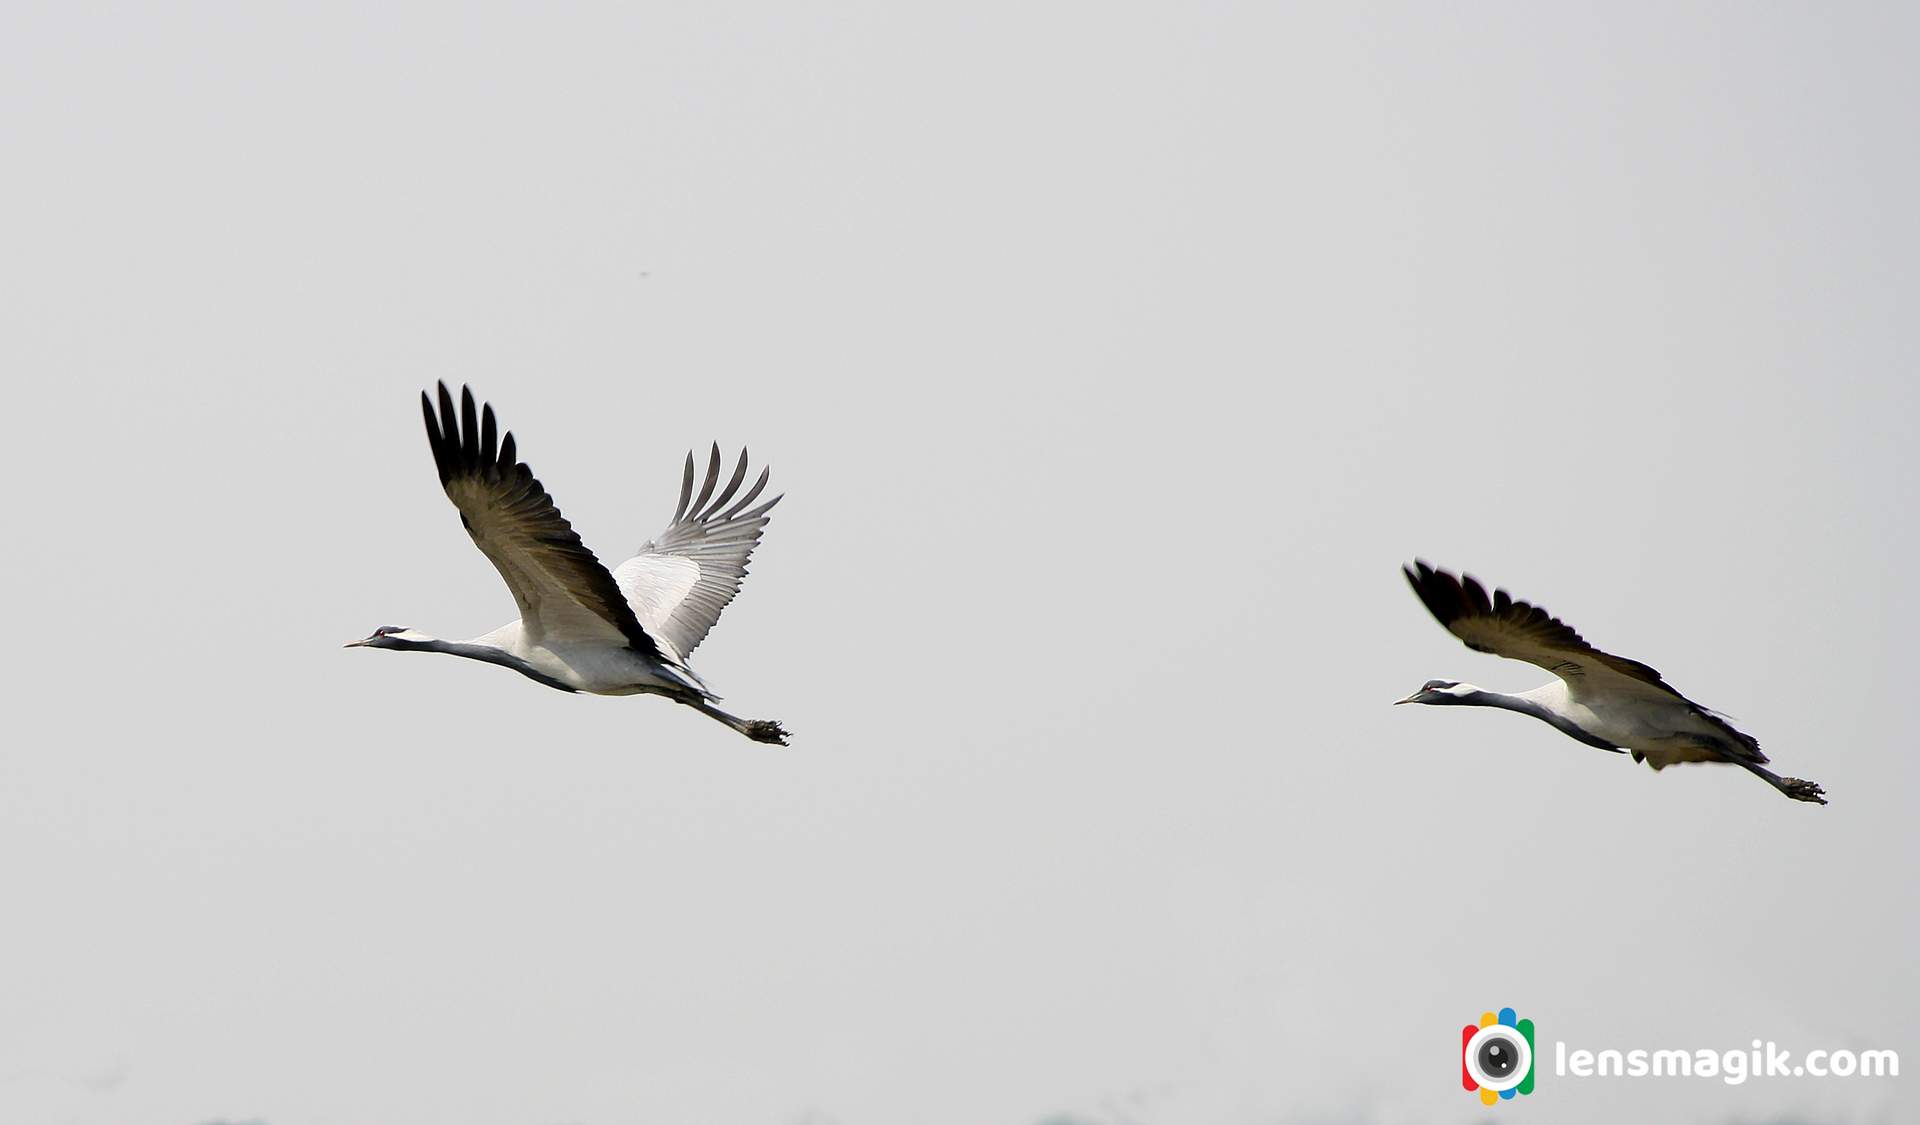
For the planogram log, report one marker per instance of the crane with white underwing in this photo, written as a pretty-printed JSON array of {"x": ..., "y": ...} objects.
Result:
[{"x": 582, "y": 628}]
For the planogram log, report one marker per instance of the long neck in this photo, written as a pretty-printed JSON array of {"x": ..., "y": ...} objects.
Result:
[
  {"x": 474, "y": 650},
  {"x": 1520, "y": 703},
  {"x": 1480, "y": 697}
]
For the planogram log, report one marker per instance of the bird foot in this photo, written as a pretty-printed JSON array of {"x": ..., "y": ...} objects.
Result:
[
  {"x": 769, "y": 731},
  {"x": 1803, "y": 790}
]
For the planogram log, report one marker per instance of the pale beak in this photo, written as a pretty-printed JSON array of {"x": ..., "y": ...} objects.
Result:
[
  {"x": 356, "y": 644},
  {"x": 1414, "y": 698}
]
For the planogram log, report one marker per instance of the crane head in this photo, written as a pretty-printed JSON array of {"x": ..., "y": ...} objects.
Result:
[
  {"x": 386, "y": 636},
  {"x": 1439, "y": 691}
]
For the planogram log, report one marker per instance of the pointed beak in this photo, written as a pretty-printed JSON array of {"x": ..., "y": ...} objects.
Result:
[
  {"x": 1414, "y": 698},
  {"x": 356, "y": 644}
]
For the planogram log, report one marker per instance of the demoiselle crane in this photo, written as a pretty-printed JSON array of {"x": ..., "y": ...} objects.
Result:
[
  {"x": 1603, "y": 700},
  {"x": 581, "y": 628}
]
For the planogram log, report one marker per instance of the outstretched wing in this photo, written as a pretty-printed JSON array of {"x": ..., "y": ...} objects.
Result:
[
  {"x": 1519, "y": 631},
  {"x": 682, "y": 579},
  {"x": 1510, "y": 628},
  {"x": 562, "y": 590}
]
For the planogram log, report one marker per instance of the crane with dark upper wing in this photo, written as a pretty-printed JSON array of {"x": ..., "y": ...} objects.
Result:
[
  {"x": 1603, "y": 700},
  {"x": 582, "y": 628}
]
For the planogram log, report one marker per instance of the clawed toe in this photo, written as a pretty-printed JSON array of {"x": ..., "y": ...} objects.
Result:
[
  {"x": 766, "y": 730},
  {"x": 1803, "y": 790}
]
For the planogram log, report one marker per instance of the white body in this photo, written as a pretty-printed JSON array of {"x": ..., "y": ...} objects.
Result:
[{"x": 589, "y": 666}]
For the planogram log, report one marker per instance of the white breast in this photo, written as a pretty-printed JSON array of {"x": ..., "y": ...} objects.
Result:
[{"x": 583, "y": 666}]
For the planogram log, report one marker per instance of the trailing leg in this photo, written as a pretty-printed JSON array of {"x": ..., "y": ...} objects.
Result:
[
  {"x": 1791, "y": 786},
  {"x": 760, "y": 730}
]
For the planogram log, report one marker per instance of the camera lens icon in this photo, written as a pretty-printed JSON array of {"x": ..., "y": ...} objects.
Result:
[{"x": 1496, "y": 1056}]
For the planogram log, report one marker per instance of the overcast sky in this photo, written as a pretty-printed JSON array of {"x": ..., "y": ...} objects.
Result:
[{"x": 1112, "y": 359}]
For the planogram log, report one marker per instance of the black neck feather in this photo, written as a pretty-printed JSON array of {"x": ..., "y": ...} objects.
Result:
[
  {"x": 1529, "y": 707},
  {"x": 475, "y": 652}
]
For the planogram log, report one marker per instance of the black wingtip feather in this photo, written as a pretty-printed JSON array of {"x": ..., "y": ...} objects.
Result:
[
  {"x": 469, "y": 428},
  {"x": 435, "y": 442},
  {"x": 1441, "y": 597},
  {"x": 1476, "y": 594},
  {"x": 466, "y": 438}
]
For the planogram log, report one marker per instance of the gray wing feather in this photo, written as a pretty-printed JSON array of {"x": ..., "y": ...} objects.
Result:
[{"x": 681, "y": 580}]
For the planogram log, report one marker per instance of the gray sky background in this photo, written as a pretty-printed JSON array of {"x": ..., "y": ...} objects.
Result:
[{"x": 1113, "y": 358}]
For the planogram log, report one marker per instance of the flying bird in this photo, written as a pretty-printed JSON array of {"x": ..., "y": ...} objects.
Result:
[
  {"x": 1603, "y": 700},
  {"x": 581, "y": 628}
]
